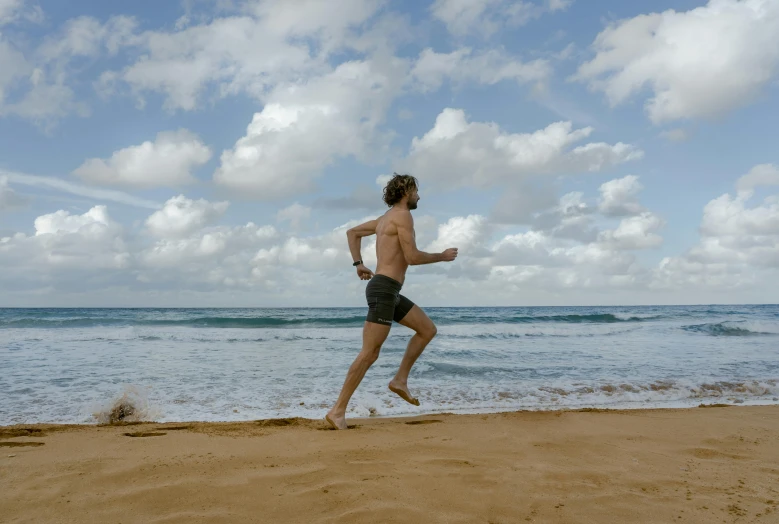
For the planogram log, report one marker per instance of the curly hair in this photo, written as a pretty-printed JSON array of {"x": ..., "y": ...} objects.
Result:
[{"x": 398, "y": 187}]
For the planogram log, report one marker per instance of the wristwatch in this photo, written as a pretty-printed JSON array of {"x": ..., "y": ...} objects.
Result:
[{"x": 357, "y": 263}]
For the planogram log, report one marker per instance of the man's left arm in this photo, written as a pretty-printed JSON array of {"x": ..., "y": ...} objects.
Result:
[{"x": 354, "y": 235}]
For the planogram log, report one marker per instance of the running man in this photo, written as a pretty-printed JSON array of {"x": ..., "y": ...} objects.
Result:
[{"x": 396, "y": 249}]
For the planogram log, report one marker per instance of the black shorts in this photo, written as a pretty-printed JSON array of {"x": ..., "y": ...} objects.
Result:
[{"x": 385, "y": 303}]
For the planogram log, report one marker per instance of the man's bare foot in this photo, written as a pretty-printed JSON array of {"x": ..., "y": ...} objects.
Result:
[
  {"x": 402, "y": 391},
  {"x": 337, "y": 421}
]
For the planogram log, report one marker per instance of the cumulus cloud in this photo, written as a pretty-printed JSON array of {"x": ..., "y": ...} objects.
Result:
[
  {"x": 485, "y": 67},
  {"x": 571, "y": 218},
  {"x": 760, "y": 175},
  {"x": 570, "y": 254},
  {"x": 180, "y": 216},
  {"x": 459, "y": 153},
  {"x": 166, "y": 162},
  {"x": 65, "y": 249},
  {"x": 739, "y": 245},
  {"x": 635, "y": 232},
  {"x": 619, "y": 197},
  {"x": 672, "y": 54},
  {"x": 249, "y": 53},
  {"x": 304, "y": 128}
]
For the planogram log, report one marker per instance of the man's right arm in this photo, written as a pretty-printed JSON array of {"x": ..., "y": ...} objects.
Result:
[{"x": 413, "y": 256}]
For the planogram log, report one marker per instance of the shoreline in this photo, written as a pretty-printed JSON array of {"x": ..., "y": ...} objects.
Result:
[
  {"x": 457, "y": 412},
  {"x": 586, "y": 465}
]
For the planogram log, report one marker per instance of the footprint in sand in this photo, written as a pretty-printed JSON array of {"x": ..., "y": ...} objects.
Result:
[
  {"x": 20, "y": 444},
  {"x": 144, "y": 434}
]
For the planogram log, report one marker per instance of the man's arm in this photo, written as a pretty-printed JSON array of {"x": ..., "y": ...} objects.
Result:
[
  {"x": 408, "y": 243},
  {"x": 356, "y": 233}
]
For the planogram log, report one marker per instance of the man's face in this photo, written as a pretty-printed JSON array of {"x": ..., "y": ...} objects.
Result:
[{"x": 413, "y": 199}]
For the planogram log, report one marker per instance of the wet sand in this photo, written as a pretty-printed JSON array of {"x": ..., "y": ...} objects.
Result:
[{"x": 708, "y": 465}]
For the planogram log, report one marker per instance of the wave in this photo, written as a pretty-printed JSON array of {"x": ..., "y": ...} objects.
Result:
[
  {"x": 199, "y": 322},
  {"x": 732, "y": 329}
]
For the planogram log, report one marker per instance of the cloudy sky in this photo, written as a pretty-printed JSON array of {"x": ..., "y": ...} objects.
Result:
[{"x": 214, "y": 152}]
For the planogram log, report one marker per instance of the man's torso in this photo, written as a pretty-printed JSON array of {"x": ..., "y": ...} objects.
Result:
[{"x": 389, "y": 254}]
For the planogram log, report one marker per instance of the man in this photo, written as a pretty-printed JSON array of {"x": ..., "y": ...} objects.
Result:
[{"x": 396, "y": 249}]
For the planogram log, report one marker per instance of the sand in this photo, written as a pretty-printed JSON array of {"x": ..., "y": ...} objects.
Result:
[{"x": 718, "y": 464}]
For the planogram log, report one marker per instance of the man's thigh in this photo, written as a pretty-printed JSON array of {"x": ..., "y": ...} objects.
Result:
[{"x": 418, "y": 320}]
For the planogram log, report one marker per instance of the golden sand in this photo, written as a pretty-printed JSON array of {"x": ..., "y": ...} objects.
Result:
[{"x": 683, "y": 465}]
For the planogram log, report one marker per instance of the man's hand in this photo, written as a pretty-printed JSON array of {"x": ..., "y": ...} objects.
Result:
[
  {"x": 364, "y": 273},
  {"x": 450, "y": 254}
]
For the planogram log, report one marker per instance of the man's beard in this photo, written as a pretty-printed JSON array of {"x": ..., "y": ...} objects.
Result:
[{"x": 412, "y": 205}]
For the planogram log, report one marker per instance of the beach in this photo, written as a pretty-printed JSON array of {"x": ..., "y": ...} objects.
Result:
[{"x": 704, "y": 464}]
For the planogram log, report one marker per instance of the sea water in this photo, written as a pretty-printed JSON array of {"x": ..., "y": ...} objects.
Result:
[{"x": 70, "y": 365}]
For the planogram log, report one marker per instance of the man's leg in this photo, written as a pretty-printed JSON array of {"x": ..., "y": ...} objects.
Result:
[
  {"x": 373, "y": 336},
  {"x": 417, "y": 320}
]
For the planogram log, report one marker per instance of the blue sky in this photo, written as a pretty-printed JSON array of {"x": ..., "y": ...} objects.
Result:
[{"x": 577, "y": 155}]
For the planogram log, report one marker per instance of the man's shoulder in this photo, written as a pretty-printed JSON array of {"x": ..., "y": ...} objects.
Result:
[{"x": 403, "y": 216}]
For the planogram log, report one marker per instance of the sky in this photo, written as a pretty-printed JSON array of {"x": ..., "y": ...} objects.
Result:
[{"x": 213, "y": 153}]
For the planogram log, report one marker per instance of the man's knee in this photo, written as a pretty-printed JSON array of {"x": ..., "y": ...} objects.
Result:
[
  {"x": 371, "y": 355},
  {"x": 428, "y": 332}
]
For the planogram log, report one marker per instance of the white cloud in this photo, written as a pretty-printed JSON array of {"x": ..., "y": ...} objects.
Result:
[
  {"x": 166, "y": 162},
  {"x": 15, "y": 67},
  {"x": 220, "y": 255},
  {"x": 9, "y": 199},
  {"x": 760, "y": 175},
  {"x": 635, "y": 232},
  {"x": 42, "y": 81},
  {"x": 181, "y": 216},
  {"x": 485, "y": 17},
  {"x": 13, "y": 10},
  {"x": 485, "y": 67},
  {"x": 469, "y": 234},
  {"x": 82, "y": 244},
  {"x": 58, "y": 184},
  {"x": 383, "y": 180},
  {"x": 63, "y": 222},
  {"x": 739, "y": 246},
  {"x": 571, "y": 218},
  {"x": 559, "y": 5},
  {"x": 459, "y": 153},
  {"x": 86, "y": 36},
  {"x": 618, "y": 197},
  {"x": 699, "y": 63},
  {"x": 249, "y": 54},
  {"x": 294, "y": 214},
  {"x": 304, "y": 128},
  {"x": 676, "y": 135}
]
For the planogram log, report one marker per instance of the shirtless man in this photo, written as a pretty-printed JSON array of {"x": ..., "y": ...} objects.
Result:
[{"x": 396, "y": 249}]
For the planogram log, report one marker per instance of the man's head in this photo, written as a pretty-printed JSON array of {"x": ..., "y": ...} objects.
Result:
[{"x": 402, "y": 188}]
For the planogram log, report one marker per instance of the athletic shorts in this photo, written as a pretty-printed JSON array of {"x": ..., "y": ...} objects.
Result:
[{"x": 385, "y": 303}]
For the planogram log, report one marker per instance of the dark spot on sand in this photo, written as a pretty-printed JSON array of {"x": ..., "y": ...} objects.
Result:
[
  {"x": 174, "y": 428},
  {"x": 348, "y": 426},
  {"x": 281, "y": 422},
  {"x": 713, "y": 405},
  {"x": 21, "y": 432},
  {"x": 415, "y": 422},
  {"x": 20, "y": 444},
  {"x": 144, "y": 434}
]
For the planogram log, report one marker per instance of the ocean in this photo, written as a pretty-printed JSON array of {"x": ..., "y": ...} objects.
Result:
[{"x": 73, "y": 365}]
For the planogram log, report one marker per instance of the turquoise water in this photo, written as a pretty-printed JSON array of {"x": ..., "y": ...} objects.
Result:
[{"x": 70, "y": 365}]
